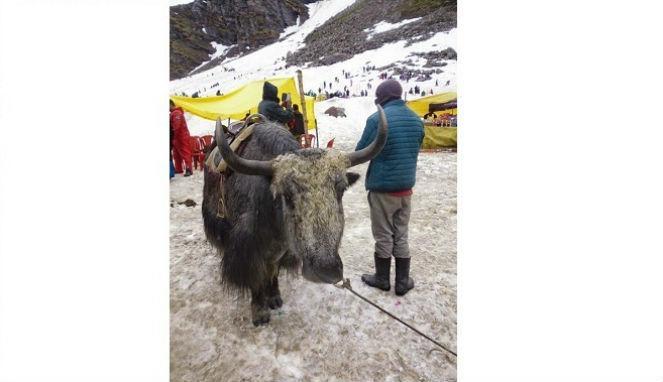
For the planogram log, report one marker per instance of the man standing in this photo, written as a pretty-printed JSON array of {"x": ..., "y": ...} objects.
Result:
[
  {"x": 269, "y": 106},
  {"x": 181, "y": 140},
  {"x": 390, "y": 178},
  {"x": 298, "y": 122}
]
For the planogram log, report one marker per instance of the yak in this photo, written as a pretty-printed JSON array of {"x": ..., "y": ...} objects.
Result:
[{"x": 282, "y": 210}]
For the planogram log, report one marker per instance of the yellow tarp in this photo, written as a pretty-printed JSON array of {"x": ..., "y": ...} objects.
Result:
[
  {"x": 436, "y": 137},
  {"x": 245, "y": 99},
  {"x": 420, "y": 106}
]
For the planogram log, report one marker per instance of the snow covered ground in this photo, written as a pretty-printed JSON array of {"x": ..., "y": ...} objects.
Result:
[{"x": 322, "y": 333}]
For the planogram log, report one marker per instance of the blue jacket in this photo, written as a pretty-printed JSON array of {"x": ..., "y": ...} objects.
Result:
[{"x": 395, "y": 168}]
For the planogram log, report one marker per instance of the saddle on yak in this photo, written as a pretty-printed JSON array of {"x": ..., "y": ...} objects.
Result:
[{"x": 237, "y": 135}]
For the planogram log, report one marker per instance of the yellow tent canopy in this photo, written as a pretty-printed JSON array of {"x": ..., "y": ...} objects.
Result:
[
  {"x": 420, "y": 106},
  {"x": 244, "y": 99},
  {"x": 436, "y": 137}
]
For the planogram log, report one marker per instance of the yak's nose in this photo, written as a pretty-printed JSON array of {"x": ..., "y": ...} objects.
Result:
[
  {"x": 331, "y": 275},
  {"x": 328, "y": 272}
]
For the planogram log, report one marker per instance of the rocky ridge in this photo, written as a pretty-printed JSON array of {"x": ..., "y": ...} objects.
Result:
[{"x": 242, "y": 25}]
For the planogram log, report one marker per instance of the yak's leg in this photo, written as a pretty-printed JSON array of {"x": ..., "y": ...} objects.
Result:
[
  {"x": 273, "y": 293},
  {"x": 259, "y": 307}
]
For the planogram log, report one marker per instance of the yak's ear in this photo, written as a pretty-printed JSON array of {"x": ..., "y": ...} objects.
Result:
[{"x": 352, "y": 178}]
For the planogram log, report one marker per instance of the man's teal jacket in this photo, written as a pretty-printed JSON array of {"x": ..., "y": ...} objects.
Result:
[{"x": 395, "y": 168}]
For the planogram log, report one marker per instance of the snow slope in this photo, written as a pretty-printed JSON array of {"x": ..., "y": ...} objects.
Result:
[
  {"x": 270, "y": 62},
  {"x": 384, "y": 26}
]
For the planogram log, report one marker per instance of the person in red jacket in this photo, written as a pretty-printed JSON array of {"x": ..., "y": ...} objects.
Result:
[{"x": 181, "y": 140}]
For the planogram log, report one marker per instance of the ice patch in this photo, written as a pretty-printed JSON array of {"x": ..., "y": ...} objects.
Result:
[{"x": 384, "y": 26}]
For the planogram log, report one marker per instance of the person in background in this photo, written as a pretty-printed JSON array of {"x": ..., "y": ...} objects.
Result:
[
  {"x": 170, "y": 152},
  {"x": 269, "y": 106},
  {"x": 181, "y": 140},
  {"x": 389, "y": 180},
  {"x": 298, "y": 122},
  {"x": 430, "y": 116}
]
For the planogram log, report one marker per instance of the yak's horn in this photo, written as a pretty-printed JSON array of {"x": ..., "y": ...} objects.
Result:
[
  {"x": 237, "y": 163},
  {"x": 372, "y": 150}
]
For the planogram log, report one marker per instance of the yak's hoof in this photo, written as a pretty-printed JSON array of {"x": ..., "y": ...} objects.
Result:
[
  {"x": 274, "y": 302},
  {"x": 260, "y": 317},
  {"x": 264, "y": 320}
]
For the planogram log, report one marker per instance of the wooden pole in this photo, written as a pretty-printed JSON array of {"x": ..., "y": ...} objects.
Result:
[
  {"x": 317, "y": 141},
  {"x": 302, "y": 102}
]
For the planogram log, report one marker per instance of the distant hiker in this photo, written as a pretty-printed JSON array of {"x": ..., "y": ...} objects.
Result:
[
  {"x": 436, "y": 83},
  {"x": 298, "y": 118},
  {"x": 181, "y": 140},
  {"x": 324, "y": 84},
  {"x": 269, "y": 106},
  {"x": 411, "y": 92},
  {"x": 390, "y": 191},
  {"x": 218, "y": 92}
]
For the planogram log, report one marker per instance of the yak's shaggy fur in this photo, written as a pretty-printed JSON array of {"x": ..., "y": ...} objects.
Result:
[
  {"x": 290, "y": 219},
  {"x": 251, "y": 235}
]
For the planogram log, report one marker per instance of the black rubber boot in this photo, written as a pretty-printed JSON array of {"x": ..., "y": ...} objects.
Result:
[
  {"x": 188, "y": 172},
  {"x": 380, "y": 279},
  {"x": 403, "y": 281}
]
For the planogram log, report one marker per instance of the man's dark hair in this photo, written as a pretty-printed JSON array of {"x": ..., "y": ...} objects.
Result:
[
  {"x": 295, "y": 107},
  {"x": 172, "y": 103}
]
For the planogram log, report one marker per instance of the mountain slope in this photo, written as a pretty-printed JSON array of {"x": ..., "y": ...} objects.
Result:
[
  {"x": 237, "y": 25},
  {"x": 206, "y": 33},
  {"x": 353, "y": 31}
]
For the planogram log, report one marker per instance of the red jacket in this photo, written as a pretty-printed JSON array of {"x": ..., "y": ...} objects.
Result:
[{"x": 178, "y": 126}]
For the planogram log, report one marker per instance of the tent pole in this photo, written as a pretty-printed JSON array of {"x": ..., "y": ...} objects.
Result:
[{"x": 302, "y": 101}]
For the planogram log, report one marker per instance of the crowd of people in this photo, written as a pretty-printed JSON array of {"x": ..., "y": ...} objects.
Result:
[
  {"x": 332, "y": 88},
  {"x": 441, "y": 120}
]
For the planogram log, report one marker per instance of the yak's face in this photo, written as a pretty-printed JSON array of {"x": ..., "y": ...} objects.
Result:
[{"x": 310, "y": 184}]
